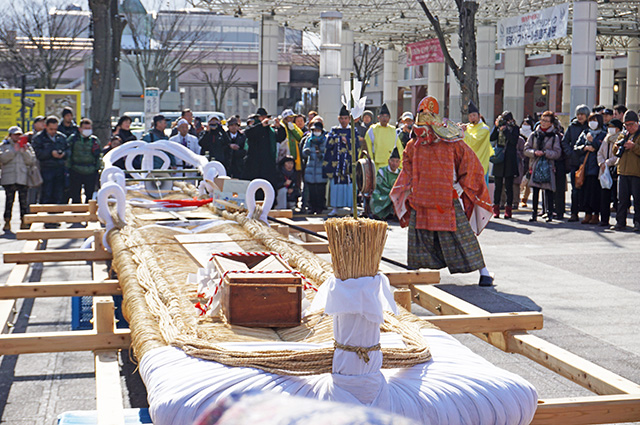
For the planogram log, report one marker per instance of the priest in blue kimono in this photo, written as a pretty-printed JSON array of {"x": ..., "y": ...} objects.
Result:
[
  {"x": 381, "y": 205},
  {"x": 337, "y": 163}
]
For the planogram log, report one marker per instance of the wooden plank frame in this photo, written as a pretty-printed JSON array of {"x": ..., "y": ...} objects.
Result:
[{"x": 618, "y": 399}]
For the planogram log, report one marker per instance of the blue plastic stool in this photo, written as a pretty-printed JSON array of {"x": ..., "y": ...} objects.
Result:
[{"x": 90, "y": 417}]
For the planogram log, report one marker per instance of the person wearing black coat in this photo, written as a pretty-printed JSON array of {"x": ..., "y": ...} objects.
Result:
[
  {"x": 505, "y": 135},
  {"x": 237, "y": 149},
  {"x": 123, "y": 129},
  {"x": 52, "y": 150},
  {"x": 262, "y": 150},
  {"x": 214, "y": 143},
  {"x": 578, "y": 126}
]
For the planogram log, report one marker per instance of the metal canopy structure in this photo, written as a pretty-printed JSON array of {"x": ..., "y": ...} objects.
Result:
[{"x": 399, "y": 22}]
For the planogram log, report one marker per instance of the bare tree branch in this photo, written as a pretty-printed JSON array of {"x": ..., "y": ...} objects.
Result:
[
  {"x": 165, "y": 46},
  {"x": 435, "y": 23},
  {"x": 467, "y": 72},
  {"x": 220, "y": 81},
  {"x": 367, "y": 62},
  {"x": 41, "y": 43}
]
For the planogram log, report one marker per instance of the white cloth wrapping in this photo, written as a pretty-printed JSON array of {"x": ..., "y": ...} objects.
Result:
[
  {"x": 358, "y": 306},
  {"x": 455, "y": 387}
]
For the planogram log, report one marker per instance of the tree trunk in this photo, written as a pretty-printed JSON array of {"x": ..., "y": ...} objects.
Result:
[
  {"x": 107, "y": 35},
  {"x": 469, "y": 66}
]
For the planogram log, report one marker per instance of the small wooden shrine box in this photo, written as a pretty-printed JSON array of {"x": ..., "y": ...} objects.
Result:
[{"x": 265, "y": 300}]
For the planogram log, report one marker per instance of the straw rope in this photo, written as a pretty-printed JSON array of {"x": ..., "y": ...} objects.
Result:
[{"x": 152, "y": 269}]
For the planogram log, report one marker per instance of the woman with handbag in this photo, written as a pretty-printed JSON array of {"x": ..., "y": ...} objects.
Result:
[
  {"x": 505, "y": 136},
  {"x": 16, "y": 158},
  {"x": 542, "y": 149},
  {"x": 607, "y": 162},
  {"x": 589, "y": 143}
]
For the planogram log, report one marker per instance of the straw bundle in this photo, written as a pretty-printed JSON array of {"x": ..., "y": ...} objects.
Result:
[{"x": 356, "y": 246}]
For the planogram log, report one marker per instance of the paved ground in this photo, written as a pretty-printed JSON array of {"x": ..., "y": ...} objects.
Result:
[{"x": 585, "y": 280}]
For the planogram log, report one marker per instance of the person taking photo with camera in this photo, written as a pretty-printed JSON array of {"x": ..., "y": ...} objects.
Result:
[{"x": 628, "y": 150}]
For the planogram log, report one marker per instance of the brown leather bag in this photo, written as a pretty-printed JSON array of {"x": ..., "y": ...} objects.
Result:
[{"x": 581, "y": 173}]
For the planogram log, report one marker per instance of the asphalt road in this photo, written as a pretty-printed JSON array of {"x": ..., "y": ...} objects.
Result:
[{"x": 585, "y": 280}]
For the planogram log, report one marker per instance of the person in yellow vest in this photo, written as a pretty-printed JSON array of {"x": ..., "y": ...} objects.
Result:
[
  {"x": 291, "y": 144},
  {"x": 476, "y": 136},
  {"x": 381, "y": 139}
]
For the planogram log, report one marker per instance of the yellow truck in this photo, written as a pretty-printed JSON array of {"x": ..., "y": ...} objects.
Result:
[{"x": 45, "y": 102}]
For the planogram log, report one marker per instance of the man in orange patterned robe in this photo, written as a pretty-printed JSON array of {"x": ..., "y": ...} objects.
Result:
[{"x": 441, "y": 195}]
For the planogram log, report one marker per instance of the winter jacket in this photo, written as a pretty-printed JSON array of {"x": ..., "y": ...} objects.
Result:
[
  {"x": 591, "y": 166},
  {"x": 44, "y": 145},
  {"x": 214, "y": 144},
  {"x": 68, "y": 131},
  {"x": 15, "y": 163},
  {"x": 509, "y": 167},
  {"x": 629, "y": 163},
  {"x": 154, "y": 135},
  {"x": 569, "y": 140},
  {"x": 549, "y": 143},
  {"x": 125, "y": 135},
  {"x": 605, "y": 153},
  {"x": 86, "y": 155},
  {"x": 237, "y": 157},
  {"x": 262, "y": 150},
  {"x": 314, "y": 150}
]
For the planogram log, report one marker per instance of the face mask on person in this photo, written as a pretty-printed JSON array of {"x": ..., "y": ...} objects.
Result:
[
  {"x": 593, "y": 125},
  {"x": 87, "y": 132},
  {"x": 290, "y": 125},
  {"x": 213, "y": 126},
  {"x": 525, "y": 128},
  {"x": 317, "y": 133},
  {"x": 612, "y": 130}
]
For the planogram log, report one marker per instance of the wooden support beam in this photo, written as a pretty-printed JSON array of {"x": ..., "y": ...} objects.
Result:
[
  {"x": 23, "y": 257},
  {"x": 110, "y": 404},
  {"x": 408, "y": 277},
  {"x": 281, "y": 214},
  {"x": 591, "y": 376},
  {"x": 581, "y": 371},
  {"x": 315, "y": 247},
  {"x": 60, "y": 217},
  {"x": 59, "y": 289},
  {"x": 58, "y": 342},
  {"x": 314, "y": 227},
  {"x": 588, "y": 410},
  {"x": 17, "y": 275},
  {"x": 46, "y": 234},
  {"x": 490, "y": 322},
  {"x": 59, "y": 208},
  {"x": 402, "y": 296},
  {"x": 109, "y": 401}
]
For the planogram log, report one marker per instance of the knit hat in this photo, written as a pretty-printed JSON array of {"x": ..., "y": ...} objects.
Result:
[
  {"x": 182, "y": 121},
  {"x": 616, "y": 123},
  {"x": 630, "y": 116}
]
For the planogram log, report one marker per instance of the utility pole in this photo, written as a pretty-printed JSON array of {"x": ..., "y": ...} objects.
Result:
[{"x": 23, "y": 95}]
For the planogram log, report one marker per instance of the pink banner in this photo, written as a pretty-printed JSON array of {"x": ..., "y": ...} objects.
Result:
[{"x": 424, "y": 52}]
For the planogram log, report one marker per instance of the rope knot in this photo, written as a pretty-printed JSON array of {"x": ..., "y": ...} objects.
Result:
[{"x": 361, "y": 352}]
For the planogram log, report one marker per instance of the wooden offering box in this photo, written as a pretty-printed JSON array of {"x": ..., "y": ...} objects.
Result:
[{"x": 254, "y": 299}]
